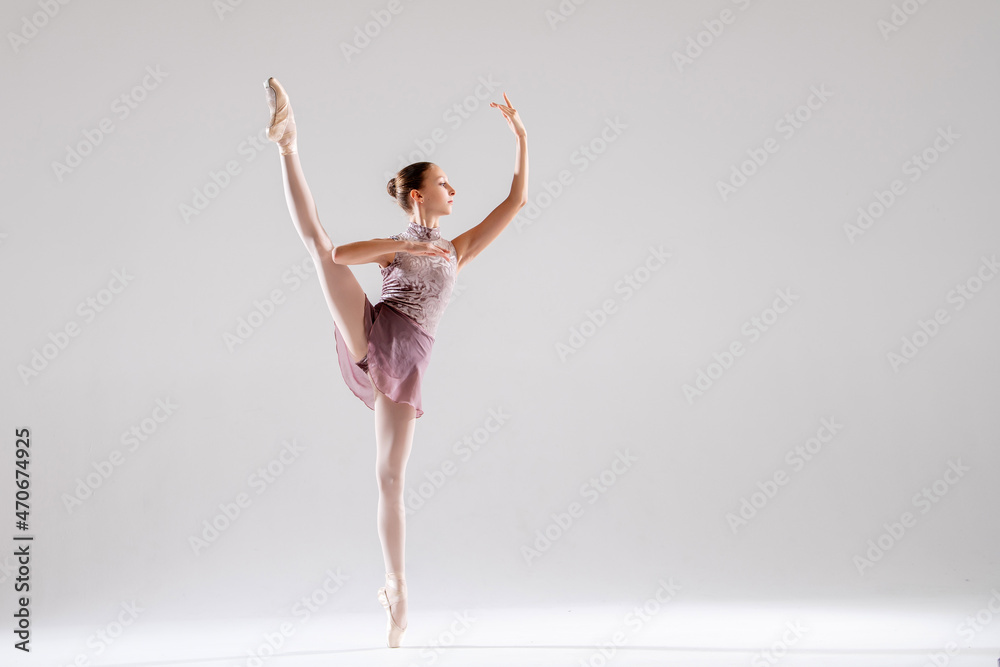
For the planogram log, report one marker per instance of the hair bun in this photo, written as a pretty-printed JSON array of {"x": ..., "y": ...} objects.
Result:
[{"x": 406, "y": 180}]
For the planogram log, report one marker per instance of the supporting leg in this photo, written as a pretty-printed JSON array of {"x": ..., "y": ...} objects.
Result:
[{"x": 394, "y": 426}]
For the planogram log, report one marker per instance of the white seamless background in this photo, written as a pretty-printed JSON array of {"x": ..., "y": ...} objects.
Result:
[{"x": 121, "y": 302}]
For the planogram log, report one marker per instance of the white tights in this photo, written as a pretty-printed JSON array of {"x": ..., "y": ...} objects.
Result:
[
  {"x": 394, "y": 425},
  {"x": 394, "y": 422}
]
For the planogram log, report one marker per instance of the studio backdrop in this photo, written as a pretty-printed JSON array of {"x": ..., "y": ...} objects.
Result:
[{"x": 740, "y": 343}]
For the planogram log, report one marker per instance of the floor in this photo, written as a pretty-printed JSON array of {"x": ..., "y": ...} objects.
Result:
[{"x": 694, "y": 635}]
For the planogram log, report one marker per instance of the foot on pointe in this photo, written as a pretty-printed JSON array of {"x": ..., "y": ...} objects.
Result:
[
  {"x": 393, "y": 599},
  {"x": 281, "y": 129}
]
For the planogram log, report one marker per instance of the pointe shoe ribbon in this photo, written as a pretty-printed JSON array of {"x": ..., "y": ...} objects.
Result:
[
  {"x": 281, "y": 129},
  {"x": 388, "y": 597}
]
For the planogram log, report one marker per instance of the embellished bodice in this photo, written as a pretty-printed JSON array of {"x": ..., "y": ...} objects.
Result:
[{"x": 420, "y": 286}]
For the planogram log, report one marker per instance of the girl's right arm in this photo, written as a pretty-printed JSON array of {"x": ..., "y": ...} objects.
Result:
[{"x": 382, "y": 250}]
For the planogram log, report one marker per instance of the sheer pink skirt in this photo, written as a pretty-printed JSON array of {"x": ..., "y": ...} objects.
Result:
[{"x": 399, "y": 351}]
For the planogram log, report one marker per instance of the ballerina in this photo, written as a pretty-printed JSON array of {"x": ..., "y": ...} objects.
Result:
[{"x": 383, "y": 350}]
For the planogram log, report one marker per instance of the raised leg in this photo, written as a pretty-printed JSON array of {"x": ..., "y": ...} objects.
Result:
[
  {"x": 394, "y": 426},
  {"x": 344, "y": 294}
]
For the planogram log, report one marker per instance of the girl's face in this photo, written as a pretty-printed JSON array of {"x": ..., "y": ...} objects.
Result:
[{"x": 437, "y": 194}]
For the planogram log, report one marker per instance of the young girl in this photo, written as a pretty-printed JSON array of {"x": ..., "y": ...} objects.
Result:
[{"x": 383, "y": 350}]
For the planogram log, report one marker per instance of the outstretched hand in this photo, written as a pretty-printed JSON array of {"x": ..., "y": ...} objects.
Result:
[{"x": 511, "y": 115}]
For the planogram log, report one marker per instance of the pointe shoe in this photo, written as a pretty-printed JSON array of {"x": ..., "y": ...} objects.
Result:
[
  {"x": 389, "y": 595},
  {"x": 281, "y": 129}
]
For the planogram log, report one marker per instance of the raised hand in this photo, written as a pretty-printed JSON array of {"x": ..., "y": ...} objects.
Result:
[{"x": 516, "y": 126}]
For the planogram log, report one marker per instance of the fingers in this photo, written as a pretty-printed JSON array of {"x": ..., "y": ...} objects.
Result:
[
  {"x": 435, "y": 250},
  {"x": 509, "y": 106}
]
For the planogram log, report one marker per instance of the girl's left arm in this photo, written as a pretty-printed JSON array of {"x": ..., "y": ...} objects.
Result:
[{"x": 474, "y": 241}]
